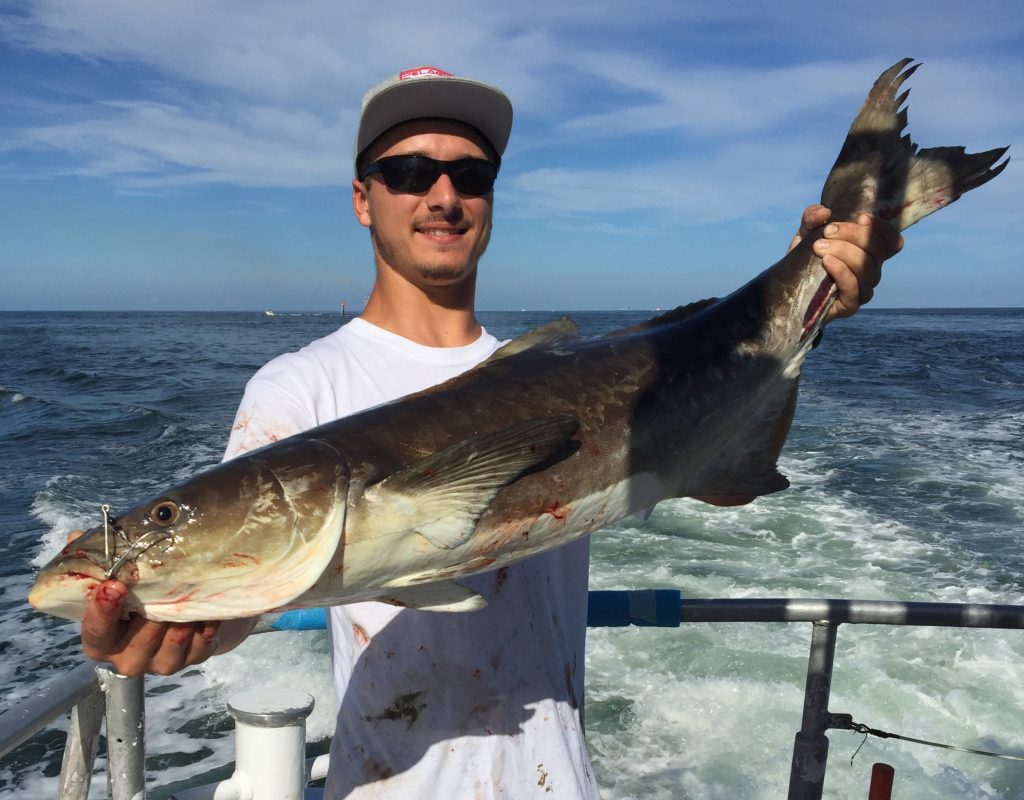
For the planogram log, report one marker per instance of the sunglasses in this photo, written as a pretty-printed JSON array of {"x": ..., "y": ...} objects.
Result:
[{"x": 413, "y": 174}]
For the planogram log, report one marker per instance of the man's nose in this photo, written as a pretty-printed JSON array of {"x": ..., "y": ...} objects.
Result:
[{"x": 442, "y": 194}]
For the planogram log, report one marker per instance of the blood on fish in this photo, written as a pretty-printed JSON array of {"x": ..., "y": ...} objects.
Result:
[
  {"x": 80, "y": 576},
  {"x": 816, "y": 305},
  {"x": 244, "y": 559},
  {"x": 558, "y": 511}
]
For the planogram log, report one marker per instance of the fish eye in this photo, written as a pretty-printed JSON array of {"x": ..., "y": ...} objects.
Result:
[{"x": 165, "y": 513}]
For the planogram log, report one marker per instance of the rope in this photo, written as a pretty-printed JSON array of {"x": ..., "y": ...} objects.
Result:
[{"x": 859, "y": 728}]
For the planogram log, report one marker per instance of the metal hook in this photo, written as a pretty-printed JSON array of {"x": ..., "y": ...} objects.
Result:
[
  {"x": 137, "y": 547},
  {"x": 106, "y": 536},
  {"x": 859, "y": 729}
]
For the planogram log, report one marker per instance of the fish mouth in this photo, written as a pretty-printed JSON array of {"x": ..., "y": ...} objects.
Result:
[
  {"x": 819, "y": 304},
  {"x": 106, "y": 549}
]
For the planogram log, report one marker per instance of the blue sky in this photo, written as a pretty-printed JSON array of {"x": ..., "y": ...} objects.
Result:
[{"x": 197, "y": 155}]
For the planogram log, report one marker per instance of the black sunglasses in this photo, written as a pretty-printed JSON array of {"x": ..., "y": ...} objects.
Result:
[{"x": 413, "y": 174}]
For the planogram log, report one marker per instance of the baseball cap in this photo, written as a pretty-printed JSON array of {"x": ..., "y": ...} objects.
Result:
[{"x": 432, "y": 92}]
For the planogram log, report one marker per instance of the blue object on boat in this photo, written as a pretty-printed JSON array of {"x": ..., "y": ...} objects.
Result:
[
  {"x": 605, "y": 609},
  {"x": 301, "y": 619},
  {"x": 641, "y": 607}
]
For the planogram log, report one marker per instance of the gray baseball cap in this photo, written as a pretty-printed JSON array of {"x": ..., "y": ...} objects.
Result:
[{"x": 431, "y": 92}]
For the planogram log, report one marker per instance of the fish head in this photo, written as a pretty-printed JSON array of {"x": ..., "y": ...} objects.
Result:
[{"x": 238, "y": 540}]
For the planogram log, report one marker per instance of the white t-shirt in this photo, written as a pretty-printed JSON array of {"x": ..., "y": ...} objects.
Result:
[{"x": 483, "y": 704}]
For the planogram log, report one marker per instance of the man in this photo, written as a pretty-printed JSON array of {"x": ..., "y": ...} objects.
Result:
[{"x": 482, "y": 704}]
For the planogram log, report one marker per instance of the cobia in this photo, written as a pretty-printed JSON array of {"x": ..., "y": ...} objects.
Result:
[{"x": 549, "y": 440}]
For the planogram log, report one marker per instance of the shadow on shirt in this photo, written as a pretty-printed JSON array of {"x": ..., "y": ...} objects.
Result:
[{"x": 467, "y": 680}]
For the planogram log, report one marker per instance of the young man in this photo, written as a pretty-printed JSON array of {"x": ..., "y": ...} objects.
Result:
[{"x": 482, "y": 704}]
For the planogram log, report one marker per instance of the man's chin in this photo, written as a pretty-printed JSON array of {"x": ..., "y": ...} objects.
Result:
[{"x": 445, "y": 274}]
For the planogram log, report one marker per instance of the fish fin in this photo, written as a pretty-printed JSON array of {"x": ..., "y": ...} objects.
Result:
[
  {"x": 443, "y": 596},
  {"x": 675, "y": 315},
  {"x": 643, "y": 516},
  {"x": 442, "y": 496},
  {"x": 744, "y": 462},
  {"x": 744, "y": 483},
  {"x": 449, "y": 531},
  {"x": 557, "y": 331},
  {"x": 880, "y": 170},
  {"x": 441, "y": 574}
]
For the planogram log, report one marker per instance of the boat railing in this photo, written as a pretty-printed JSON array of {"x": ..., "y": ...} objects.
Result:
[{"x": 92, "y": 693}]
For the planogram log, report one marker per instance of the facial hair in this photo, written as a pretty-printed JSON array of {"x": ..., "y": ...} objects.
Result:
[{"x": 430, "y": 272}]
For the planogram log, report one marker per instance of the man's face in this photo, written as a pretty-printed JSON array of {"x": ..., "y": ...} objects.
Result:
[{"x": 432, "y": 239}]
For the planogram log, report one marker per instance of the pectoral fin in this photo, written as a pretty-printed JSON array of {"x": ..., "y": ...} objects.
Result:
[{"x": 442, "y": 496}]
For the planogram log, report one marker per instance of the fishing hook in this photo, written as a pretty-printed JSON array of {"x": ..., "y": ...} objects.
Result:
[
  {"x": 106, "y": 536},
  {"x": 859, "y": 729},
  {"x": 134, "y": 549}
]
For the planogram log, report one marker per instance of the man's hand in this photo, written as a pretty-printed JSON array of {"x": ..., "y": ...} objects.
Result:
[
  {"x": 136, "y": 645},
  {"x": 852, "y": 253}
]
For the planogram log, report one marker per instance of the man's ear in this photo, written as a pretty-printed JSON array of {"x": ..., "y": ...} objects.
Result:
[{"x": 361, "y": 202}]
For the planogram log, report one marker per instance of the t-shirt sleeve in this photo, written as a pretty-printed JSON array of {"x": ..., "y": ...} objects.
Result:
[{"x": 272, "y": 408}]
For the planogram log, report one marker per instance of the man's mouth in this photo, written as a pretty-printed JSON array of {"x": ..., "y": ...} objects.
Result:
[{"x": 442, "y": 233}]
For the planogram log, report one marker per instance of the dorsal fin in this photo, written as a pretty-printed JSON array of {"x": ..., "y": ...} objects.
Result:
[
  {"x": 558, "y": 331},
  {"x": 675, "y": 315}
]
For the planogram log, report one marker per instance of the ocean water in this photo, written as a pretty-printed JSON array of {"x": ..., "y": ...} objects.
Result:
[{"x": 907, "y": 483}]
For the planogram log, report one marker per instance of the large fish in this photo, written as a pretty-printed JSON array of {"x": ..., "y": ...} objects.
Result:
[{"x": 550, "y": 439}]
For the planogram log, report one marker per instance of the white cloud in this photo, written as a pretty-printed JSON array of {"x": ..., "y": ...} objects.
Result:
[
  {"x": 735, "y": 182},
  {"x": 152, "y": 144},
  {"x": 266, "y": 94}
]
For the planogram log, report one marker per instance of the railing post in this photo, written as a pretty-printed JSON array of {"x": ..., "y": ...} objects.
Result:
[
  {"x": 126, "y": 735},
  {"x": 270, "y": 743},
  {"x": 810, "y": 750},
  {"x": 80, "y": 747}
]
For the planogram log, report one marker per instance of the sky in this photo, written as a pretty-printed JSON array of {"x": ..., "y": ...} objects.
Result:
[{"x": 198, "y": 155}]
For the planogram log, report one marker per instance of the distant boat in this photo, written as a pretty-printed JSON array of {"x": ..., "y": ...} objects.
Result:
[{"x": 269, "y": 313}]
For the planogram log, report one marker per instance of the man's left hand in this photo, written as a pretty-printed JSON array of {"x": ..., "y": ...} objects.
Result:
[{"x": 852, "y": 253}]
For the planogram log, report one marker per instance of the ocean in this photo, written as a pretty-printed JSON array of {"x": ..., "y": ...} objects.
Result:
[{"x": 907, "y": 483}]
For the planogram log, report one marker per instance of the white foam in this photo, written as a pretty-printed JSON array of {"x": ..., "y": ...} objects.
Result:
[{"x": 714, "y": 708}]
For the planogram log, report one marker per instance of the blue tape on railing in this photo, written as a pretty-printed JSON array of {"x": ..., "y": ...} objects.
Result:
[
  {"x": 605, "y": 609},
  {"x": 301, "y": 619}
]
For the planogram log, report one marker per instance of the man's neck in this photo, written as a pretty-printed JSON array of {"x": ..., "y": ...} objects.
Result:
[{"x": 440, "y": 320}]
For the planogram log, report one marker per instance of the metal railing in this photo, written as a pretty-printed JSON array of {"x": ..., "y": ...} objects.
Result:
[{"x": 83, "y": 690}]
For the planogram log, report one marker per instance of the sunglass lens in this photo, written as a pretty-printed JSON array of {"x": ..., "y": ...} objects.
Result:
[
  {"x": 473, "y": 176},
  {"x": 415, "y": 174},
  {"x": 409, "y": 174}
]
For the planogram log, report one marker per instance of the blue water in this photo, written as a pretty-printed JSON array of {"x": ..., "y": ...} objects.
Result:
[{"x": 907, "y": 483}]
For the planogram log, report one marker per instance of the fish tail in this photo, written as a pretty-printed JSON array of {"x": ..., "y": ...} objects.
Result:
[{"x": 880, "y": 170}]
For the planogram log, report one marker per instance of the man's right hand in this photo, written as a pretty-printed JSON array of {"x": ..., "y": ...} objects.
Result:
[{"x": 136, "y": 645}]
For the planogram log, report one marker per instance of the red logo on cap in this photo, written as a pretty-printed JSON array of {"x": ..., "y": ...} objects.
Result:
[{"x": 419, "y": 72}]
